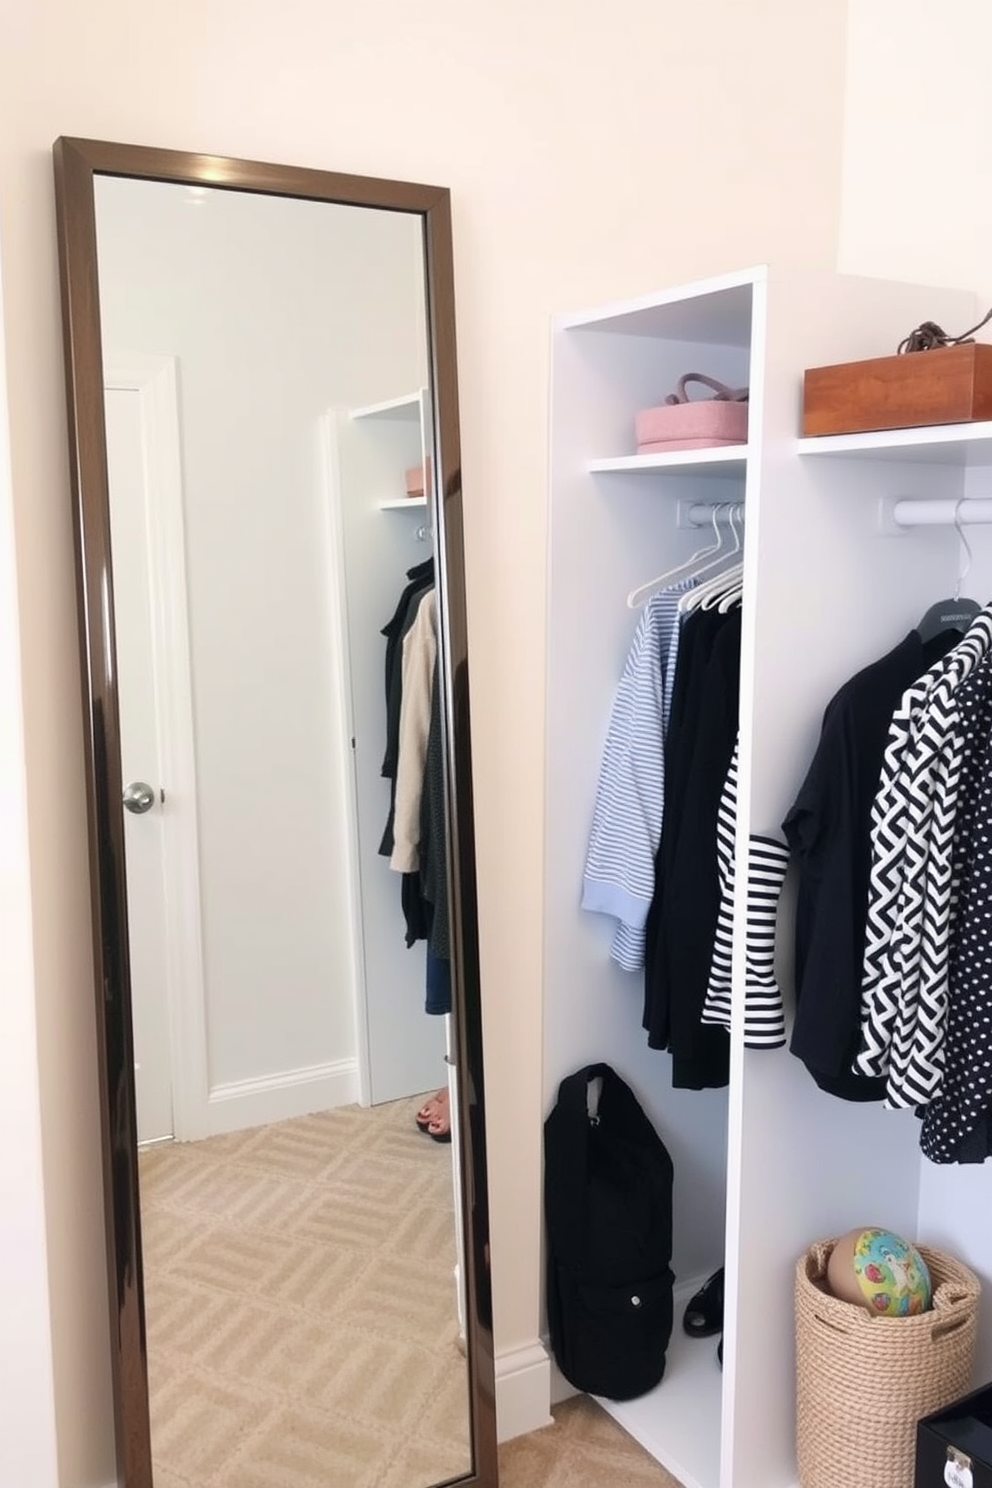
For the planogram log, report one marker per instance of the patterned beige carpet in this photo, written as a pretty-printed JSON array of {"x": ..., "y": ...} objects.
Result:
[
  {"x": 301, "y": 1310},
  {"x": 585, "y": 1448}
]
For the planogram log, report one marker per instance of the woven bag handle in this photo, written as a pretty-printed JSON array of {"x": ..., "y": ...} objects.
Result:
[
  {"x": 950, "y": 1314},
  {"x": 721, "y": 392},
  {"x": 947, "y": 1327},
  {"x": 941, "y": 1327}
]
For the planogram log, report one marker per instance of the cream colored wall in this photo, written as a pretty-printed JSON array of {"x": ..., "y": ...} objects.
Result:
[
  {"x": 593, "y": 151},
  {"x": 918, "y": 143},
  {"x": 27, "y": 1420}
]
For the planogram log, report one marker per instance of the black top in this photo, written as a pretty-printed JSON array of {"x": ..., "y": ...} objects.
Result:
[
  {"x": 433, "y": 836},
  {"x": 421, "y": 578},
  {"x": 416, "y": 912},
  {"x": 829, "y": 832},
  {"x": 682, "y": 921},
  {"x": 956, "y": 1124}
]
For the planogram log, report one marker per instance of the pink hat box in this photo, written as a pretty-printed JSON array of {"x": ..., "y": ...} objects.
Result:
[
  {"x": 703, "y": 423},
  {"x": 418, "y": 478}
]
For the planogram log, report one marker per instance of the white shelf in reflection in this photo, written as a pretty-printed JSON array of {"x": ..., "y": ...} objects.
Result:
[{"x": 407, "y": 407}]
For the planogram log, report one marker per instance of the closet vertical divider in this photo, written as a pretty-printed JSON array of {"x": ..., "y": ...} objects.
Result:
[
  {"x": 772, "y": 1163},
  {"x": 614, "y": 524}
]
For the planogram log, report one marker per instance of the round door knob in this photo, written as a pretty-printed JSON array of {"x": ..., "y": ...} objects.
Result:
[{"x": 138, "y": 797}]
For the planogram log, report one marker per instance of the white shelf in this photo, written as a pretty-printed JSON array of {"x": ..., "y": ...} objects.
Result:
[
  {"x": 404, "y": 503},
  {"x": 940, "y": 444},
  {"x": 678, "y": 1421},
  {"x": 728, "y": 460},
  {"x": 406, "y": 408},
  {"x": 715, "y": 311}
]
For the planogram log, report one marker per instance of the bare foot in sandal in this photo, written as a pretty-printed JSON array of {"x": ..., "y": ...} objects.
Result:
[
  {"x": 435, "y": 1109},
  {"x": 439, "y": 1128}
]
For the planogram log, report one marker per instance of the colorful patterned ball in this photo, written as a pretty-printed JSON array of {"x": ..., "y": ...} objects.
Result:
[{"x": 881, "y": 1271}]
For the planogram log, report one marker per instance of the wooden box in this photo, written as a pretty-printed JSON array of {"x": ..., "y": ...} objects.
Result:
[{"x": 948, "y": 385}]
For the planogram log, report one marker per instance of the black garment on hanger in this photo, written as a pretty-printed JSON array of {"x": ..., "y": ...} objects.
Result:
[
  {"x": 956, "y": 1124},
  {"x": 699, "y": 630},
  {"x": 976, "y": 1147},
  {"x": 417, "y": 914},
  {"x": 433, "y": 834},
  {"x": 829, "y": 832},
  {"x": 683, "y": 917},
  {"x": 416, "y": 911},
  {"x": 421, "y": 578}
]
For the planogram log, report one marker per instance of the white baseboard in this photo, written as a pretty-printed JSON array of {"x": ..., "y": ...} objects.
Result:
[
  {"x": 523, "y": 1390},
  {"x": 279, "y": 1097}
]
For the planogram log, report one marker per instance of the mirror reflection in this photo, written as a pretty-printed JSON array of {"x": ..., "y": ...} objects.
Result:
[{"x": 266, "y": 370}]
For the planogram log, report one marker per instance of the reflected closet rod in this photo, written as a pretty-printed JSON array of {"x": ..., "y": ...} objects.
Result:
[{"x": 704, "y": 514}]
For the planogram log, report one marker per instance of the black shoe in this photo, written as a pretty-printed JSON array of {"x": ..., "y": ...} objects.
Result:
[{"x": 703, "y": 1315}]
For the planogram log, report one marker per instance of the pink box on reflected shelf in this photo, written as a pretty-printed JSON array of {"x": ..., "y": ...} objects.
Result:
[{"x": 418, "y": 478}]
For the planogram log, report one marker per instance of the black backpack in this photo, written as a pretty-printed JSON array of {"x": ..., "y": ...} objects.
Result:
[{"x": 608, "y": 1210}]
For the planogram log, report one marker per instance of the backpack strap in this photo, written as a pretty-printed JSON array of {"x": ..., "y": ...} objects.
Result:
[{"x": 566, "y": 1161}]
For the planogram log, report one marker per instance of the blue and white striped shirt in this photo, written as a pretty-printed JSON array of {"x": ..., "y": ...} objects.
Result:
[{"x": 630, "y": 799}]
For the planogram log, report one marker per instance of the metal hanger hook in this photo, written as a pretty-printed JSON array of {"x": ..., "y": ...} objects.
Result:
[{"x": 959, "y": 529}]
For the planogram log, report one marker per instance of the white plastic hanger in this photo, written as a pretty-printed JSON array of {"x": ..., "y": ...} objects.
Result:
[
  {"x": 714, "y": 589},
  {"x": 735, "y": 595},
  {"x": 955, "y": 613},
  {"x": 700, "y": 592},
  {"x": 734, "y": 585},
  {"x": 637, "y": 597},
  {"x": 724, "y": 590},
  {"x": 727, "y": 586}
]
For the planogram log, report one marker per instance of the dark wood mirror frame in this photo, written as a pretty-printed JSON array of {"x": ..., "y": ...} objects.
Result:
[{"x": 77, "y": 162}]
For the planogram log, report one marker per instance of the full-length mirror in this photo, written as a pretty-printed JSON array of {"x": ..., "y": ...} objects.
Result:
[{"x": 263, "y": 424}]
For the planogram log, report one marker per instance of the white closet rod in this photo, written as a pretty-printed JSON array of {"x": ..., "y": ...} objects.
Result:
[
  {"x": 703, "y": 514},
  {"x": 904, "y": 513},
  {"x": 941, "y": 513}
]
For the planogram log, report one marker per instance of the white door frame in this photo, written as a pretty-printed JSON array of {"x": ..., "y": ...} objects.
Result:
[
  {"x": 154, "y": 379},
  {"x": 338, "y": 629}
]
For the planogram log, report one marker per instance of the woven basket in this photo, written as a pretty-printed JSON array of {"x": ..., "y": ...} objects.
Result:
[{"x": 863, "y": 1382}]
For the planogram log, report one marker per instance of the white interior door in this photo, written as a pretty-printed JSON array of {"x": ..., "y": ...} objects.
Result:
[{"x": 141, "y": 763}]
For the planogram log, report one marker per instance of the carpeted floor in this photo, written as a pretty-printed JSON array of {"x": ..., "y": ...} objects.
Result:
[
  {"x": 301, "y": 1308},
  {"x": 301, "y": 1318},
  {"x": 585, "y": 1448}
]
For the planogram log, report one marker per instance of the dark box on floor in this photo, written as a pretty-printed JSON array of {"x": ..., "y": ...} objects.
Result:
[{"x": 954, "y": 1445}]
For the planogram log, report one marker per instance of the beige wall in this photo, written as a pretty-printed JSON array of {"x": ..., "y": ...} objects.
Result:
[
  {"x": 27, "y": 1422},
  {"x": 918, "y": 144},
  {"x": 593, "y": 151}
]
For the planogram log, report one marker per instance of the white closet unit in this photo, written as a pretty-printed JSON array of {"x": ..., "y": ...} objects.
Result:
[
  {"x": 379, "y": 534},
  {"x": 771, "y": 1163}
]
